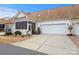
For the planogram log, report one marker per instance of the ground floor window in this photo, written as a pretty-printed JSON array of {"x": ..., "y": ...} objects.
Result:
[
  {"x": 2, "y": 27},
  {"x": 21, "y": 25}
]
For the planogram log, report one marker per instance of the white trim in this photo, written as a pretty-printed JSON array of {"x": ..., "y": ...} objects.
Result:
[
  {"x": 54, "y": 24},
  {"x": 58, "y": 19},
  {"x": 26, "y": 17},
  {"x": 2, "y": 33}
]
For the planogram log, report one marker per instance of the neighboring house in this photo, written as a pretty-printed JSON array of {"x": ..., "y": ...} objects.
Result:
[
  {"x": 53, "y": 21},
  {"x": 5, "y": 24}
]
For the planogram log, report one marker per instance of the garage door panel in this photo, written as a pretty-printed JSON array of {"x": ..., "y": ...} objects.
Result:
[{"x": 54, "y": 29}]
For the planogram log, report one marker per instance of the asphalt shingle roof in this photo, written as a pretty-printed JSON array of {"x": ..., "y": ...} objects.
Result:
[{"x": 67, "y": 12}]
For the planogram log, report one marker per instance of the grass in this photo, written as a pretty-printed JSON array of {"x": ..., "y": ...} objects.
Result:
[{"x": 12, "y": 39}]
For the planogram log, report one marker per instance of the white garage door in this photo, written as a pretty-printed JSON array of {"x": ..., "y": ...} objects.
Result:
[{"x": 54, "y": 29}]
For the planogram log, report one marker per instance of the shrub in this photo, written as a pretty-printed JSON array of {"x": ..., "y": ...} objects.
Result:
[
  {"x": 8, "y": 33},
  {"x": 70, "y": 29},
  {"x": 18, "y": 33},
  {"x": 33, "y": 31},
  {"x": 38, "y": 31},
  {"x": 22, "y": 35}
]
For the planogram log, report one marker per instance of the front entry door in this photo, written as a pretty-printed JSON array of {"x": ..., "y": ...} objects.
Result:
[{"x": 29, "y": 29}]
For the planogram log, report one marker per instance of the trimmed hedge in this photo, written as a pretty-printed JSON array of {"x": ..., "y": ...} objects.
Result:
[
  {"x": 18, "y": 33},
  {"x": 8, "y": 33}
]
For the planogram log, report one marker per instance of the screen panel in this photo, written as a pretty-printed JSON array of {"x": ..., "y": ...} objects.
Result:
[{"x": 21, "y": 25}]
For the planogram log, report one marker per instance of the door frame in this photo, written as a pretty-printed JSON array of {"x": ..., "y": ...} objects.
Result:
[{"x": 29, "y": 31}]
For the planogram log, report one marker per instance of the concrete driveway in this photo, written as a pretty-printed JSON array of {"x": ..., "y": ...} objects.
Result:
[{"x": 49, "y": 44}]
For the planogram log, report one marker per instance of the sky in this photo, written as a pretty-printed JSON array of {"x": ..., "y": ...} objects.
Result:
[{"x": 9, "y": 10}]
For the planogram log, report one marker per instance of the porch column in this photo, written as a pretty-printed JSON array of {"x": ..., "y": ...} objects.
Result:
[{"x": 27, "y": 27}]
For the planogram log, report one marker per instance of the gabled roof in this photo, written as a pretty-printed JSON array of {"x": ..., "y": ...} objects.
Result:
[{"x": 20, "y": 14}]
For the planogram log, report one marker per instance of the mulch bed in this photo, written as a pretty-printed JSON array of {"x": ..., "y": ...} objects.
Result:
[
  {"x": 12, "y": 39},
  {"x": 75, "y": 40}
]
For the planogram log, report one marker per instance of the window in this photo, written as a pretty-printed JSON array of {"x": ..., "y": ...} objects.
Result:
[
  {"x": 1, "y": 26},
  {"x": 21, "y": 25}
]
